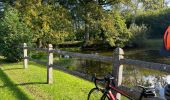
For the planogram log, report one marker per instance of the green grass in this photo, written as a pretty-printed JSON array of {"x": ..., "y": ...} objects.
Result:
[
  {"x": 9, "y": 90},
  {"x": 17, "y": 83},
  {"x": 153, "y": 43}
]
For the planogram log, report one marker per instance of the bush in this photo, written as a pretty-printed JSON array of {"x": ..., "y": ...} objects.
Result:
[
  {"x": 38, "y": 55},
  {"x": 138, "y": 35},
  {"x": 157, "y": 20},
  {"x": 13, "y": 32},
  {"x": 115, "y": 29},
  {"x": 79, "y": 35}
]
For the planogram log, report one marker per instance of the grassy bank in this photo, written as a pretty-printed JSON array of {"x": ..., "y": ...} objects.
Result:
[
  {"x": 153, "y": 43},
  {"x": 23, "y": 84}
]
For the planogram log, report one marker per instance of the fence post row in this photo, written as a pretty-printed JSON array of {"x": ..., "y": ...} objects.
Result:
[
  {"x": 49, "y": 65},
  {"x": 25, "y": 55},
  {"x": 117, "y": 69}
]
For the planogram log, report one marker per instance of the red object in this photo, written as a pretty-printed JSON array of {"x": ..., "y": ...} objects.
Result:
[
  {"x": 167, "y": 38},
  {"x": 112, "y": 97}
]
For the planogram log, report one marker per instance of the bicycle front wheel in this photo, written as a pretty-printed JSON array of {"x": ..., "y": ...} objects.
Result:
[{"x": 95, "y": 94}]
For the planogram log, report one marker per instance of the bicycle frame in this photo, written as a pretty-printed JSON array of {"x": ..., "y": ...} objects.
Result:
[
  {"x": 109, "y": 86},
  {"x": 113, "y": 97}
]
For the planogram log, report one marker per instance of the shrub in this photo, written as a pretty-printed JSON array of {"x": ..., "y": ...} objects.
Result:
[
  {"x": 79, "y": 35},
  {"x": 13, "y": 32},
  {"x": 157, "y": 20},
  {"x": 138, "y": 35},
  {"x": 115, "y": 29},
  {"x": 38, "y": 55}
]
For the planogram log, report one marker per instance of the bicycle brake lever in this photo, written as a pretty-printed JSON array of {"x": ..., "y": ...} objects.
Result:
[{"x": 110, "y": 76}]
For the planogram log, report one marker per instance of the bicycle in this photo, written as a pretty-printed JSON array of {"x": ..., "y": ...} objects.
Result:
[{"x": 106, "y": 93}]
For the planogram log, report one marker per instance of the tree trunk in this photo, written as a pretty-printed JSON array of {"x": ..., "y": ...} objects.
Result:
[
  {"x": 39, "y": 43},
  {"x": 86, "y": 31}
]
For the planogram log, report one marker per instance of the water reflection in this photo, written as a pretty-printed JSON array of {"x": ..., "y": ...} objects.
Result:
[
  {"x": 85, "y": 66},
  {"x": 132, "y": 75},
  {"x": 90, "y": 67}
]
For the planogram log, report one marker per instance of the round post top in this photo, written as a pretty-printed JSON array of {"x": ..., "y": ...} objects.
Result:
[
  {"x": 50, "y": 45},
  {"x": 119, "y": 51},
  {"x": 24, "y": 44}
]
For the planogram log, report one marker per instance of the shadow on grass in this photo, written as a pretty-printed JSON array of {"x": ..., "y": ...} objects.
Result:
[
  {"x": 9, "y": 84},
  {"x": 13, "y": 69},
  {"x": 4, "y": 61},
  {"x": 31, "y": 83},
  {"x": 22, "y": 84}
]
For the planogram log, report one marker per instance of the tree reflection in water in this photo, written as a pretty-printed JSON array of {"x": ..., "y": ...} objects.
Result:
[{"x": 134, "y": 76}]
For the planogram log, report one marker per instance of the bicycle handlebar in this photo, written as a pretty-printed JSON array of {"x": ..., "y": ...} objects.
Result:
[{"x": 107, "y": 78}]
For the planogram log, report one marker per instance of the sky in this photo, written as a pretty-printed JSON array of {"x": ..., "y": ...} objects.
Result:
[{"x": 168, "y": 1}]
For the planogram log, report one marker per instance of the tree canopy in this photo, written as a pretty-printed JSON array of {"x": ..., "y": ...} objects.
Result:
[
  {"x": 110, "y": 22},
  {"x": 50, "y": 23}
]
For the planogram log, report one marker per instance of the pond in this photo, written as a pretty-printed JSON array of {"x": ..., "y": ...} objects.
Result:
[{"x": 132, "y": 75}]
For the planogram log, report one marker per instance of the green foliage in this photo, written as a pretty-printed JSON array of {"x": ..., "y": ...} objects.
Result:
[
  {"x": 38, "y": 55},
  {"x": 157, "y": 21},
  {"x": 86, "y": 20},
  {"x": 49, "y": 22},
  {"x": 152, "y": 4},
  {"x": 115, "y": 30},
  {"x": 79, "y": 35},
  {"x": 138, "y": 35},
  {"x": 93, "y": 21},
  {"x": 13, "y": 32}
]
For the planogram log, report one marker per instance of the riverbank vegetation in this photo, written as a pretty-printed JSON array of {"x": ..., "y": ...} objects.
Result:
[{"x": 102, "y": 23}]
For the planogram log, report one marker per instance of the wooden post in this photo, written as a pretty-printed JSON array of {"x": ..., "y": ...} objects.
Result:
[
  {"x": 117, "y": 70},
  {"x": 49, "y": 65},
  {"x": 25, "y": 55}
]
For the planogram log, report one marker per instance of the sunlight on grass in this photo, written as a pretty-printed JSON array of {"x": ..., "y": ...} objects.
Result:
[
  {"x": 32, "y": 81},
  {"x": 10, "y": 90}
]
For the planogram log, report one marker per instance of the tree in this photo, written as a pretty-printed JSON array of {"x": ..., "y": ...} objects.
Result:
[
  {"x": 153, "y": 4},
  {"x": 50, "y": 22},
  {"x": 91, "y": 14},
  {"x": 115, "y": 29},
  {"x": 13, "y": 32}
]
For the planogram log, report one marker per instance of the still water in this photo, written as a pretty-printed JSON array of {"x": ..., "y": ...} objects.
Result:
[{"x": 132, "y": 75}]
